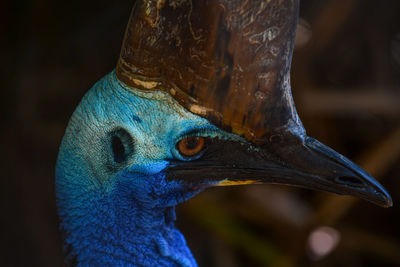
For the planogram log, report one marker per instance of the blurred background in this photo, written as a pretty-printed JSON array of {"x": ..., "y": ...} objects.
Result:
[{"x": 346, "y": 84}]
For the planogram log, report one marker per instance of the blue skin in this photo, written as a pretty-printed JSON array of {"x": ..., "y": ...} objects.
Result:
[{"x": 121, "y": 211}]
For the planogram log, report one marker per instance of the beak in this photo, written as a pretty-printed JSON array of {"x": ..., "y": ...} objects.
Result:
[{"x": 290, "y": 160}]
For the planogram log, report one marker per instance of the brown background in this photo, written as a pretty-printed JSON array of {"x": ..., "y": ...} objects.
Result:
[{"x": 346, "y": 87}]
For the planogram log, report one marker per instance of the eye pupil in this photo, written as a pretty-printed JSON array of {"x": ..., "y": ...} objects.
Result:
[
  {"x": 118, "y": 149},
  {"x": 191, "y": 146},
  {"x": 192, "y": 142}
]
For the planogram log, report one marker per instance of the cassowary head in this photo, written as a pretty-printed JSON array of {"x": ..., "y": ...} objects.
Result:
[{"x": 201, "y": 97}]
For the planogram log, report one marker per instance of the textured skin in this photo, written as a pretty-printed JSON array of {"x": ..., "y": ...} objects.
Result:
[{"x": 115, "y": 214}]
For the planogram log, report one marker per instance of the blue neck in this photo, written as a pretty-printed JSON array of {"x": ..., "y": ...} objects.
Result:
[{"x": 116, "y": 229}]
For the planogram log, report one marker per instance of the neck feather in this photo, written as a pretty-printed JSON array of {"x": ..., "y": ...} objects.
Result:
[{"x": 113, "y": 229}]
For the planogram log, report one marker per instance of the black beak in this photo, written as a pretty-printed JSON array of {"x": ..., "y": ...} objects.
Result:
[{"x": 290, "y": 160}]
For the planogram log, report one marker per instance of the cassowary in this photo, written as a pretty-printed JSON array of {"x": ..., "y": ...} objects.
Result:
[{"x": 200, "y": 97}]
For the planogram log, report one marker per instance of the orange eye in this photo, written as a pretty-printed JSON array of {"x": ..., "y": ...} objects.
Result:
[{"x": 190, "y": 146}]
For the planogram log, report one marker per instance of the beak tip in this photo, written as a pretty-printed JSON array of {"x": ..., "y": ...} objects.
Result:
[
  {"x": 389, "y": 202},
  {"x": 384, "y": 199}
]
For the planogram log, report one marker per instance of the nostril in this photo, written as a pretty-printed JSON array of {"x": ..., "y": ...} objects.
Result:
[{"x": 350, "y": 180}]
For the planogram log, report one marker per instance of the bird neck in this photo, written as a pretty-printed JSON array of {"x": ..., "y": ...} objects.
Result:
[{"x": 115, "y": 230}]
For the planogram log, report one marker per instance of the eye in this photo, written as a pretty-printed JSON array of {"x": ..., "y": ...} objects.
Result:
[
  {"x": 191, "y": 146},
  {"x": 121, "y": 145}
]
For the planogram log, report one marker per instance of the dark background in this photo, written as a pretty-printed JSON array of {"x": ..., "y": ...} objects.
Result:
[{"x": 345, "y": 77}]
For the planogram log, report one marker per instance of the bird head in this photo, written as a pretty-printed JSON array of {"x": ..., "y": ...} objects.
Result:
[
  {"x": 201, "y": 97},
  {"x": 124, "y": 141}
]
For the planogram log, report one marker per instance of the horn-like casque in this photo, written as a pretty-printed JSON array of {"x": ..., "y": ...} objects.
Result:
[{"x": 225, "y": 60}]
